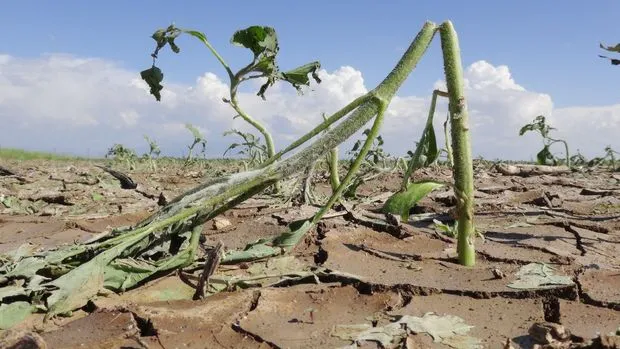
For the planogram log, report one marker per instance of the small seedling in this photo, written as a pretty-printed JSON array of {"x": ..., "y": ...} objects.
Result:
[
  {"x": 154, "y": 151},
  {"x": 251, "y": 148},
  {"x": 198, "y": 139},
  {"x": 122, "y": 154},
  {"x": 545, "y": 156}
]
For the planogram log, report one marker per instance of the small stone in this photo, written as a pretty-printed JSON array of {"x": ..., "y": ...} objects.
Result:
[
  {"x": 498, "y": 274},
  {"x": 220, "y": 223}
]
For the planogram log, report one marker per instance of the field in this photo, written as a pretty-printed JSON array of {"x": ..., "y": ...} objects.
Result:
[{"x": 356, "y": 267}]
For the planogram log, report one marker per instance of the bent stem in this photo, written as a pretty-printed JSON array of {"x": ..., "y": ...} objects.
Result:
[
  {"x": 463, "y": 167},
  {"x": 568, "y": 162}
]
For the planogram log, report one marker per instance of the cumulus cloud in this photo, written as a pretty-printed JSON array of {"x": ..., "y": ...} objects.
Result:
[{"x": 79, "y": 105}]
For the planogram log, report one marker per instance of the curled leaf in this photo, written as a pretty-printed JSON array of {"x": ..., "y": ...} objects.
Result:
[{"x": 153, "y": 77}]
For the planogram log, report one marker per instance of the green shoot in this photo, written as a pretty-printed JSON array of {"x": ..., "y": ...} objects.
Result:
[
  {"x": 121, "y": 153},
  {"x": 154, "y": 151},
  {"x": 544, "y": 156},
  {"x": 198, "y": 140},
  {"x": 251, "y": 148}
]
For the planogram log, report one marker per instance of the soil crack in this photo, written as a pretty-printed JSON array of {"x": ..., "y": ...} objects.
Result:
[{"x": 237, "y": 328}]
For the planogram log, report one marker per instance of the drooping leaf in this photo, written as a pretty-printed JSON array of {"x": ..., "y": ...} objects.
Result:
[
  {"x": 14, "y": 313},
  {"x": 153, "y": 77},
  {"x": 544, "y": 155},
  {"x": 81, "y": 284},
  {"x": 401, "y": 202},
  {"x": 259, "y": 39},
  {"x": 299, "y": 76}
]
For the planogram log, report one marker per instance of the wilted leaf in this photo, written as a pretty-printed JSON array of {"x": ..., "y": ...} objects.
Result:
[
  {"x": 153, "y": 77},
  {"x": 544, "y": 155},
  {"x": 539, "y": 275},
  {"x": 401, "y": 202},
  {"x": 448, "y": 329},
  {"x": 13, "y": 313},
  {"x": 299, "y": 76}
]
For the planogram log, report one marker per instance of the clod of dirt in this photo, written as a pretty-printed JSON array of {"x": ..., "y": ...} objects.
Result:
[
  {"x": 549, "y": 332},
  {"x": 13, "y": 339}
]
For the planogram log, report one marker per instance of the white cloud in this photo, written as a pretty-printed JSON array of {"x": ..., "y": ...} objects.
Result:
[{"x": 84, "y": 105}]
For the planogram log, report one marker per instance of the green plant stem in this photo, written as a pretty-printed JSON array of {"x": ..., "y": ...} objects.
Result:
[
  {"x": 568, "y": 163},
  {"x": 463, "y": 166},
  {"x": 235, "y": 80},
  {"x": 321, "y": 127},
  {"x": 247, "y": 118},
  {"x": 448, "y": 145},
  {"x": 416, "y": 160},
  {"x": 374, "y": 132},
  {"x": 334, "y": 178}
]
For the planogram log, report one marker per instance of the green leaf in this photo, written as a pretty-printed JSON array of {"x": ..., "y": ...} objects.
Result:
[
  {"x": 401, "y": 202},
  {"x": 81, "y": 284},
  {"x": 13, "y": 313},
  {"x": 299, "y": 76},
  {"x": 615, "y": 48},
  {"x": 153, "y": 77},
  {"x": 259, "y": 39}
]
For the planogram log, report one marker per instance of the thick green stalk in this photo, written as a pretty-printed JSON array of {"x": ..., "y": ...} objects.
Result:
[
  {"x": 321, "y": 127},
  {"x": 334, "y": 178},
  {"x": 463, "y": 168}
]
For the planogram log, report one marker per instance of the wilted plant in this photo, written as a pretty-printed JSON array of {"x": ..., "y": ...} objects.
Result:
[
  {"x": 198, "y": 140},
  {"x": 609, "y": 158},
  {"x": 263, "y": 42},
  {"x": 124, "y": 257},
  {"x": 251, "y": 148},
  {"x": 154, "y": 151},
  {"x": 545, "y": 156},
  {"x": 121, "y": 153}
]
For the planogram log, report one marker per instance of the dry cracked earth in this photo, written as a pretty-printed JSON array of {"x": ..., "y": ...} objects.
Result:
[{"x": 569, "y": 222}]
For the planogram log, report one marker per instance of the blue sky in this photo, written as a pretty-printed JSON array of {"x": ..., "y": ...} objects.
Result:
[{"x": 549, "y": 47}]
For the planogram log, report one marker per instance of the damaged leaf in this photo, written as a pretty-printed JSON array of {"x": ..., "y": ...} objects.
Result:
[
  {"x": 14, "y": 313},
  {"x": 448, "y": 329},
  {"x": 539, "y": 275}
]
